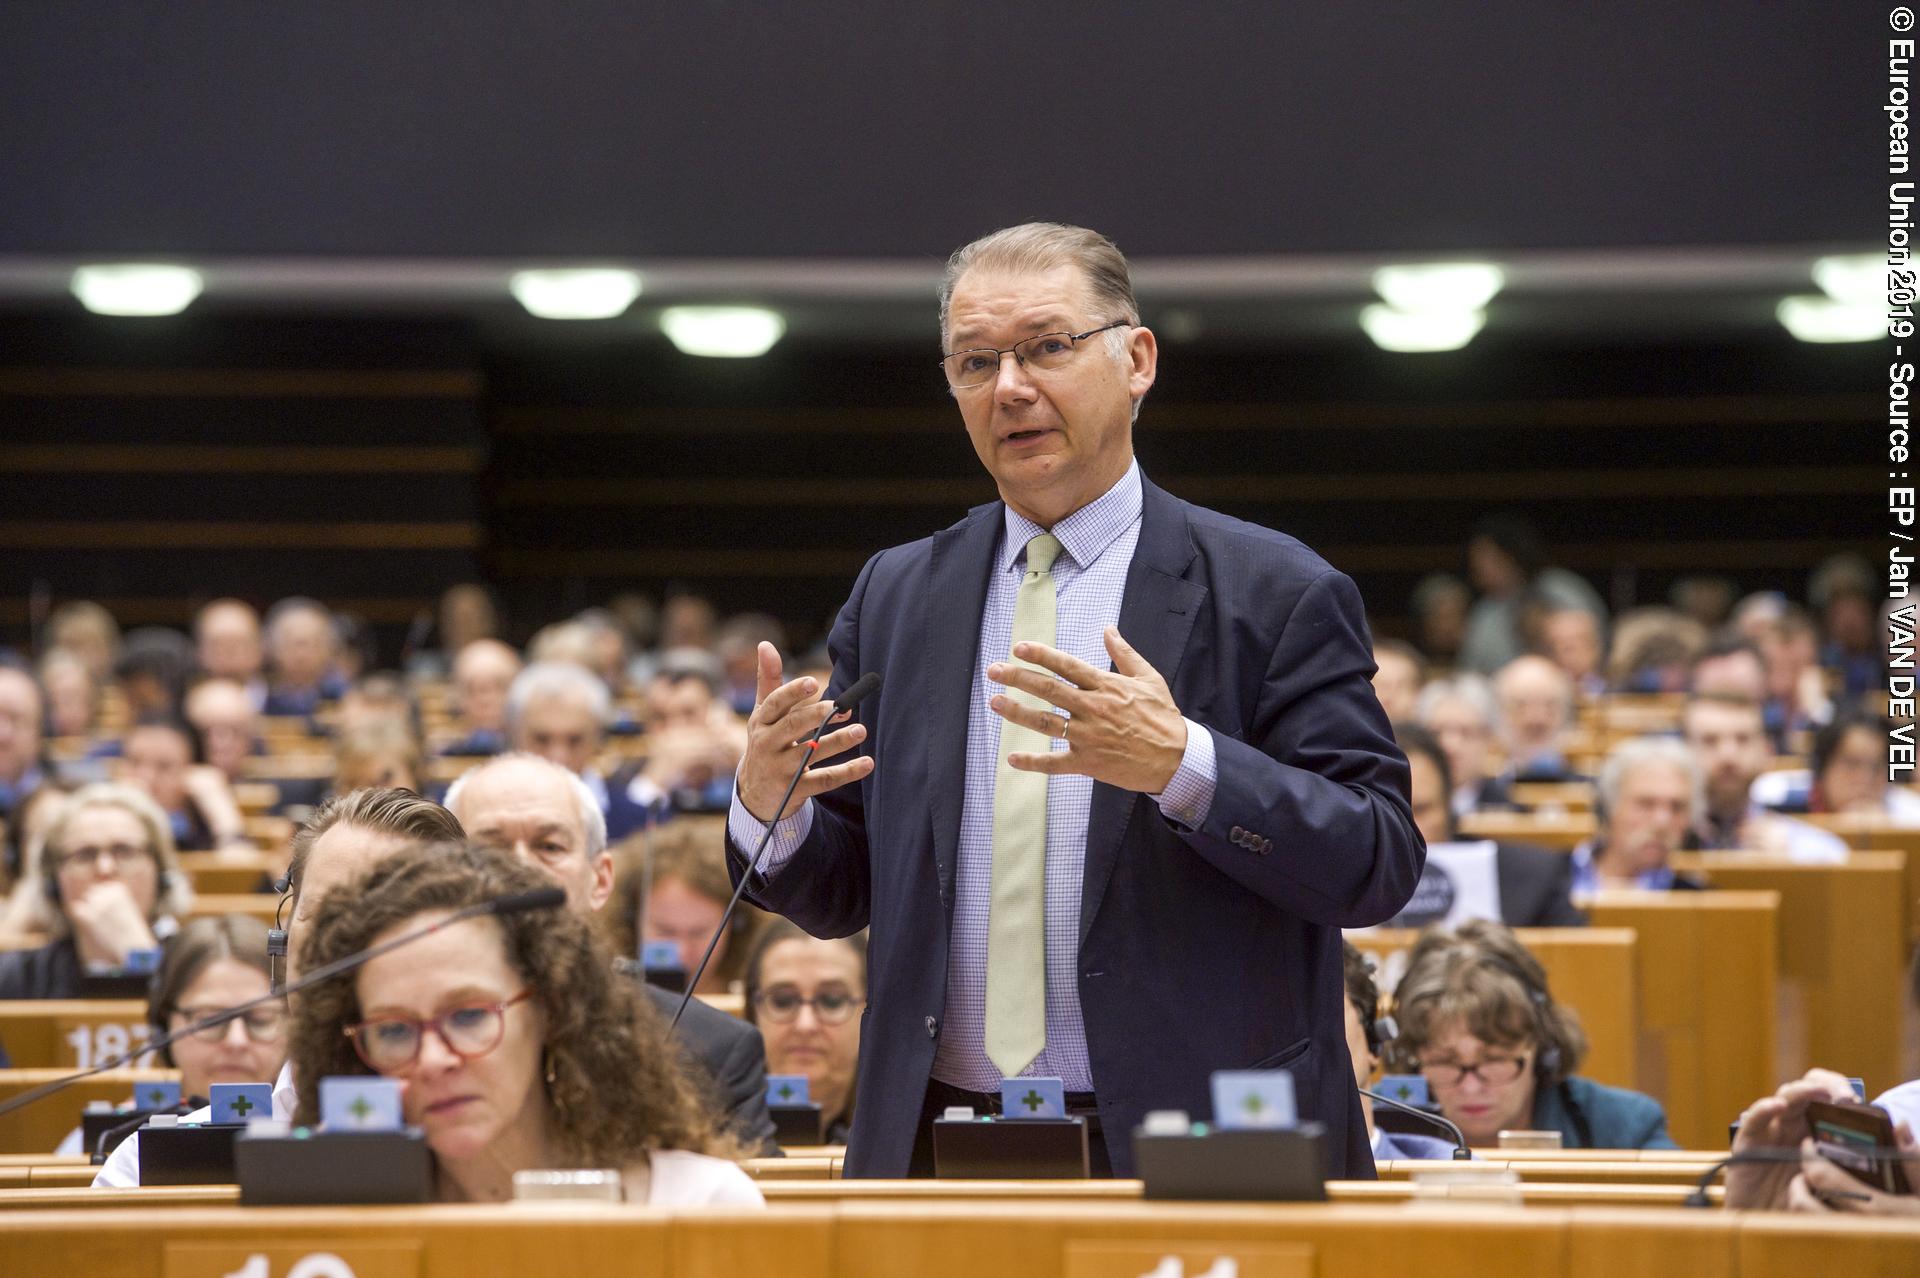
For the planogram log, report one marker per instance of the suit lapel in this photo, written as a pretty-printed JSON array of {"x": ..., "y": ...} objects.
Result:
[
  {"x": 959, "y": 568},
  {"x": 1156, "y": 617}
]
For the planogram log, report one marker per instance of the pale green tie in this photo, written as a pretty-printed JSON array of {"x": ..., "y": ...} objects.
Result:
[{"x": 1016, "y": 1026}]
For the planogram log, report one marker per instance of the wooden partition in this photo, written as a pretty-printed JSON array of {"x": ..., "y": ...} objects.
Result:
[
  {"x": 1562, "y": 832},
  {"x": 962, "y": 1239},
  {"x": 233, "y": 873},
  {"x": 1870, "y": 831},
  {"x": 260, "y": 905},
  {"x": 39, "y": 1128},
  {"x": 47, "y": 1033},
  {"x": 1842, "y": 958},
  {"x": 1591, "y": 970},
  {"x": 1705, "y": 980}
]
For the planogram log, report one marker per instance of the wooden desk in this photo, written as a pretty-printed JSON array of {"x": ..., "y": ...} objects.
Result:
[
  {"x": 229, "y": 873},
  {"x": 866, "y": 1238},
  {"x": 40, "y": 1127},
  {"x": 1843, "y": 958},
  {"x": 1561, "y": 832},
  {"x": 1706, "y": 989},
  {"x": 70, "y": 1034},
  {"x": 1591, "y": 969}
]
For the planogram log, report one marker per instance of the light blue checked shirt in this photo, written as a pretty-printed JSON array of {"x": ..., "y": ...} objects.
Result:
[{"x": 1090, "y": 578}]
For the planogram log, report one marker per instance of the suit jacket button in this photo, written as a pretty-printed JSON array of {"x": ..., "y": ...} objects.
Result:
[
  {"x": 933, "y": 1027},
  {"x": 1237, "y": 834}
]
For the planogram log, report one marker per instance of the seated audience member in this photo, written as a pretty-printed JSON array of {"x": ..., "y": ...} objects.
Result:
[
  {"x": 22, "y": 768},
  {"x": 377, "y": 755},
  {"x": 1773, "y": 1129},
  {"x": 343, "y": 838},
  {"x": 227, "y": 645},
  {"x": 805, "y": 995},
  {"x": 482, "y": 673},
  {"x": 89, "y": 631},
  {"x": 1439, "y": 605},
  {"x": 377, "y": 698},
  {"x": 1797, "y": 698},
  {"x": 102, "y": 883},
  {"x": 1572, "y": 639},
  {"x": 688, "y": 621},
  {"x": 228, "y": 721},
  {"x": 738, "y": 648},
  {"x": 1650, "y": 796},
  {"x": 1363, "y": 1049},
  {"x": 467, "y": 614},
  {"x": 1479, "y": 1022},
  {"x": 152, "y": 672},
  {"x": 1848, "y": 774},
  {"x": 1730, "y": 742},
  {"x": 1732, "y": 667},
  {"x": 544, "y": 815},
  {"x": 302, "y": 647},
  {"x": 1460, "y": 712},
  {"x": 1842, "y": 591},
  {"x": 213, "y": 964},
  {"x": 1507, "y": 561},
  {"x": 560, "y": 711},
  {"x": 1536, "y": 714},
  {"x": 163, "y": 758},
  {"x": 1707, "y": 600},
  {"x": 694, "y": 743},
  {"x": 519, "y": 1046},
  {"x": 1654, "y": 651},
  {"x": 687, "y": 892},
  {"x": 1534, "y": 883},
  {"x": 73, "y": 699},
  {"x": 1398, "y": 675},
  {"x": 606, "y": 646}
]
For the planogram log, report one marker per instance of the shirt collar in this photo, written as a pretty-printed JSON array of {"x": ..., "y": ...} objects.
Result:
[{"x": 1085, "y": 534}]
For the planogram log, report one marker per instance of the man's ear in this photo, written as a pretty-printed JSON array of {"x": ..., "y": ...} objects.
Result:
[
  {"x": 1143, "y": 360},
  {"x": 602, "y": 881}
]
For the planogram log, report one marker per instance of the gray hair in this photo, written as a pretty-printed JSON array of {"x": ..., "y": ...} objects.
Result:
[
  {"x": 1638, "y": 752},
  {"x": 1470, "y": 688},
  {"x": 544, "y": 680},
  {"x": 32, "y": 907},
  {"x": 592, "y": 819}
]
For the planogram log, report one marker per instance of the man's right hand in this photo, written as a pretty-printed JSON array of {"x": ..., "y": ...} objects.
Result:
[
  {"x": 108, "y": 920},
  {"x": 1777, "y": 1124},
  {"x": 784, "y": 716}
]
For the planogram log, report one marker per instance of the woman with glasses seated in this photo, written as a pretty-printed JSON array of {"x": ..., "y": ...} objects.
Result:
[
  {"x": 516, "y": 1045},
  {"x": 805, "y": 995},
  {"x": 1477, "y": 1020},
  {"x": 212, "y": 965},
  {"x": 102, "y": 882}
]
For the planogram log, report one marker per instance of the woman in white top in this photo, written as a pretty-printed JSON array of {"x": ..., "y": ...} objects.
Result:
[{"x": 517, "y": 1045}]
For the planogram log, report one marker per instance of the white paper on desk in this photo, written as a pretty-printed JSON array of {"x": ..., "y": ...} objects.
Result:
[{"x": 1461, "y": 882}]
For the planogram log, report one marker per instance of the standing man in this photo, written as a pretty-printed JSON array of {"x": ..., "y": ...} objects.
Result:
[{"x": 1125, "y": 780}]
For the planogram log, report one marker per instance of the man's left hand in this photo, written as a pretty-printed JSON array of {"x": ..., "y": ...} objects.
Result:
[{"x": 1120, "y": 726}]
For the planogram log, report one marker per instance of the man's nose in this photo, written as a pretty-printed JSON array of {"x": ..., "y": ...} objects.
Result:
[{"x": 1011, "y": 381}]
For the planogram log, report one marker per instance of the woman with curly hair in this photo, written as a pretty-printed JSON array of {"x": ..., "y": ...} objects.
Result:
[{"x": 517, "y": 1046}]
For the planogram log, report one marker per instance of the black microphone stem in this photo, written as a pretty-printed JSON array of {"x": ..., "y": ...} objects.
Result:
[
  {"x": 865, "y": 684},
  {"x": 1460, "y": 1149},
  {"x": 543, "y": 898}
]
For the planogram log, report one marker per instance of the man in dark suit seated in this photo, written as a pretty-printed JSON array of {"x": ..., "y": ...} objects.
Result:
[
  {"x": 1651, "y": 795},
  {"x": 483, "y": 671},
  {"x": 1126, "y": 748},
  {"x": 1536, "y": 713},
  {"x": 1535, "y": 884},
  {"x": 546, "y": 816},
  {"x": 302, "y": 647}
]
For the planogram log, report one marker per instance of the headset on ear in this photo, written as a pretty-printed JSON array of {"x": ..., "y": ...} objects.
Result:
[
  {"x": 1547, "y": 1061},
  {"x": 1380, "y": 1033},
  {"x": 277, "y": 937}
]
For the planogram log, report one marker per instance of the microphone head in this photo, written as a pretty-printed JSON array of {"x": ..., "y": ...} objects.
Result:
[
  {"x": 862, "y": 688},
  {"x": 545, "y": 898}
]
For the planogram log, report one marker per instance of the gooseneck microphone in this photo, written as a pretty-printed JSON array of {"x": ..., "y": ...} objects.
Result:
[
  {"x": 862, "y": 689},
  {"x": 545, "y": 898},
  {"x": 1459, "y": 1138}
]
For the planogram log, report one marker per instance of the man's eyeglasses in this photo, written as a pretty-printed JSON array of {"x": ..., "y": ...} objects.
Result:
[
  {"x": 1044, "y": 351},
  {"x": 391, "y": 1043},
  {"x": 1494, "y": 1071},
  {"x": 264, "y": 1024},
  {"x": 122, "y": 855},
  {"x": 783, "y": 1003}
]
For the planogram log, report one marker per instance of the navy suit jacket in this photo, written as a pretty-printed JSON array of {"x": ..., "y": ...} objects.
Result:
[{"x": 1202, "y": 950}]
